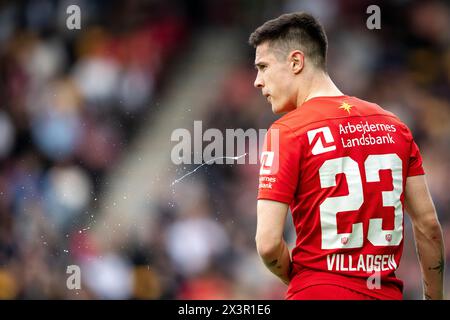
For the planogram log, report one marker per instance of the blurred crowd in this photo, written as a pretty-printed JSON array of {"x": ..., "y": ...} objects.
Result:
[{"x": 72, "y": 101}]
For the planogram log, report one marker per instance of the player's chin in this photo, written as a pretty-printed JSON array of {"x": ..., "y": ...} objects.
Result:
[{"x": 276, "y": 109}]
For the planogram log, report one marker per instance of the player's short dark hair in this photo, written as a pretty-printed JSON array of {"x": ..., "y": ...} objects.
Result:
[{"x": 290, "y": 31}]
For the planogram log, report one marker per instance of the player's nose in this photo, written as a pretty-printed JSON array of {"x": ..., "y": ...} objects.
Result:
[{"x": 258, "y": 82}]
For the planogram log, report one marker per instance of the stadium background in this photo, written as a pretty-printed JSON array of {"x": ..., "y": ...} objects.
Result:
[{"x": 85, "y": 123}]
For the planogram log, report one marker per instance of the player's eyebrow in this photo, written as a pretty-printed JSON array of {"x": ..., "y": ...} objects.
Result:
[{"x": 259, "y": 65}]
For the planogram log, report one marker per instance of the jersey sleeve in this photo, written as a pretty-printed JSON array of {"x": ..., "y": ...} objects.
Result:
[
  {"x": 280, "y": 161},
  {"x": 415, "y": 167}
]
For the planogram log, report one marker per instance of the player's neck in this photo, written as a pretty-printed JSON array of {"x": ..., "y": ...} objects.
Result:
[{"x": 321, "y": 85}]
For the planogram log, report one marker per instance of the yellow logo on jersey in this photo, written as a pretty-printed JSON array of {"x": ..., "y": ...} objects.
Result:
[{"x": 346, "y": 107}]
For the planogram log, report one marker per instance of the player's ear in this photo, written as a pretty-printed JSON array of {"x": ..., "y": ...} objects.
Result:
[{"x": 297, "y": 61}]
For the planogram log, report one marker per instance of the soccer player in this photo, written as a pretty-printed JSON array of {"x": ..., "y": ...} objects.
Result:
[{"x": 346, "y": 168}]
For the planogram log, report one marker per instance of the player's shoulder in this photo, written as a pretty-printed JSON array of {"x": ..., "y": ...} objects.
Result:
[
  {"x": 371, "y": 108},
  {"x": 320, "y": 110},
  {"x": 374, "y": 109}
]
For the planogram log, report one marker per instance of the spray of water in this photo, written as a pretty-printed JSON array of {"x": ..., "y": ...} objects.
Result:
[{"x": 207, "y": 162}]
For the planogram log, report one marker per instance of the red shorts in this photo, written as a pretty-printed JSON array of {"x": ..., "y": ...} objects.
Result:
[{"x": 328, "y": 292}]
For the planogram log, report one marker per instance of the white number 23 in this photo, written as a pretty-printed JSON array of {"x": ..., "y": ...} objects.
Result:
[{"x": 329, "y": 208}]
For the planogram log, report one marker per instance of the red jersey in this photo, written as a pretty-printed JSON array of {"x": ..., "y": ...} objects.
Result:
[{"x": 341, "y": 164}]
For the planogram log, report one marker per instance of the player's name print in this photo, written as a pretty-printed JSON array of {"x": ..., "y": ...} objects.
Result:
[
  {"x": 366, "y": 134},
  {"x": 365, "y": 262}
]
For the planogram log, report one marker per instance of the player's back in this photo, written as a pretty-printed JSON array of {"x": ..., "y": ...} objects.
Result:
[{"x": 351, "y": 160}]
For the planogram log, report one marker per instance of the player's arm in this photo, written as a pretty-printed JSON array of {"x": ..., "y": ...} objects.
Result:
[
  {"x": 273, "y": 250},
  {"x": 428, "y": 236}
]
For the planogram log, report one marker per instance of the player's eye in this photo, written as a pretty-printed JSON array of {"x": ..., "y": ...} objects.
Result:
[{"x": 261, "y": 67}]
